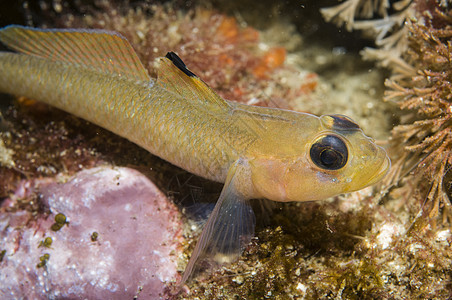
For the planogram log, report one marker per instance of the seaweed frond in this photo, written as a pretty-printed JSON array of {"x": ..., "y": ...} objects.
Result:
[
  {"x": 413, "y": 39},
  {"x": 426, "y": 136},
  {"x": 381, "y": 20}
]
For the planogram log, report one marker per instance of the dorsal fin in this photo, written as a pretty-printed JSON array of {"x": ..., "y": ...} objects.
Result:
[
  {"x": 173, "y": 75},
  {"x": 104, "y": 51}
]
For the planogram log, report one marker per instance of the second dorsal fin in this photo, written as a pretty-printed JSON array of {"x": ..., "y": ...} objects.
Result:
[
  {"x": 173, "y": 75},
  {"x": 104, "y": 51}
]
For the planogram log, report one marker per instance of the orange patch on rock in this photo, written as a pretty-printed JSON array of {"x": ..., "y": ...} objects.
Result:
[
  {"x": 229, "y": 29},
  {"x": 275, "y": 57},
  {"x": 309, "y": 84},
  {"x": 272, "y": 59}
]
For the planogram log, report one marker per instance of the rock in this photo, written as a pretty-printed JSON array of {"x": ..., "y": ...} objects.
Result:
[{"x": 121, "y": 238}]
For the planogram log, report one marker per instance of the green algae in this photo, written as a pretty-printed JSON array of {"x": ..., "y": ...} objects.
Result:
[
  {"x": 43, "y": 260},
  {"x": 94, "y": 236},
  {"x": 46, "y": 243},
  {"x": 318, "y": 251},
  {"x": 60, "y": 221}
]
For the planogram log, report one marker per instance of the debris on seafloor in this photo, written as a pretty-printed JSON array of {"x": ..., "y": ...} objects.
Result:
[
  {"x": 6, "y": 156},
  {"x": 118, "y": 237}
]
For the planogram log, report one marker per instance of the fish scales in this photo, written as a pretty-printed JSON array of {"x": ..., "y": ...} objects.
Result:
[
  {"x": 142, "y": 112},
  {"x": 257, "y": 152}
]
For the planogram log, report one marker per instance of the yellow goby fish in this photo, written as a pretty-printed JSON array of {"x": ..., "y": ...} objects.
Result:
[{"x": 257, "y": 152}]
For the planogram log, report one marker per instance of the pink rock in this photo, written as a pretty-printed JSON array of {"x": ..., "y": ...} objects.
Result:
[{"x": 139, "y": 234}]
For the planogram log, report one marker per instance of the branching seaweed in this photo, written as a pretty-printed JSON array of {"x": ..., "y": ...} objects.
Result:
[
  {"x": 382, "y": 20},
  {"x": 413, "y": 40},
  {"x": 426, "y": 137}
]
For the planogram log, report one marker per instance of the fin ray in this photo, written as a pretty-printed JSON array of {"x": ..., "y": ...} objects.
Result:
[
  {"x": 175, "y": 77},
  {"x": 104, "y": 51},
  {"x": 228, "y": 230}
]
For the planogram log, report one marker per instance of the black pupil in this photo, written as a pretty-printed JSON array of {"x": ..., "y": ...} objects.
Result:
[
  {"x": 328, "y": 157},
  {"x": 329, "y": 152}
]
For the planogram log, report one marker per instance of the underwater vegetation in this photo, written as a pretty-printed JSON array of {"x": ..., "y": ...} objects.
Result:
[
  {"x": 380, "y": 20},
  {"x": 414, "y": 42},
  {"x": 358, "y": 246},
  {"x": 426, "y": 137}
]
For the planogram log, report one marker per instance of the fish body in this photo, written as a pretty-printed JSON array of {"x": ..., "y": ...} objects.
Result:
[
  {"x": 257, "y": 152},
  {"x": 141, "y": 111}
]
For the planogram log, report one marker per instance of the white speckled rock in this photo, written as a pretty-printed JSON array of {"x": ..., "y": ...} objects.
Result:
[{"x": 139, "y": 233}]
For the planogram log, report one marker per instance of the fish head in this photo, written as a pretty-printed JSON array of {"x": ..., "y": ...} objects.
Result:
[{"x": 335, "y": 158}]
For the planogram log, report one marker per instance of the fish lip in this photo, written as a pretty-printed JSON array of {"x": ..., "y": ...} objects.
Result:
[{"x": 383, "y": 169}]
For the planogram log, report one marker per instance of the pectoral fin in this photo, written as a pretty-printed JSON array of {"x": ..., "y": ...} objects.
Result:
[{"x": 228, "y": 230}]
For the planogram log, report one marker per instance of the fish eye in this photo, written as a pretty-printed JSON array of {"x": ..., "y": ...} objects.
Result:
[{"x": 329, "y": 152}]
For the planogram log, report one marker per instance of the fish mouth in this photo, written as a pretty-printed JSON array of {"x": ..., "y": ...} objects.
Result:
[{"x": 383, "y": 169}]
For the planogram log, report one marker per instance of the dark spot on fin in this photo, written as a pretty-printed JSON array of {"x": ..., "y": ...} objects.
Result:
[
  {"x": 343, "y": 123},
  {"x": 179, "y": 63}
]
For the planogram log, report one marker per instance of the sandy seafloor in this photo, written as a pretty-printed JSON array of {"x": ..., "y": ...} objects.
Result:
[{"x": 352, "y": 246}]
